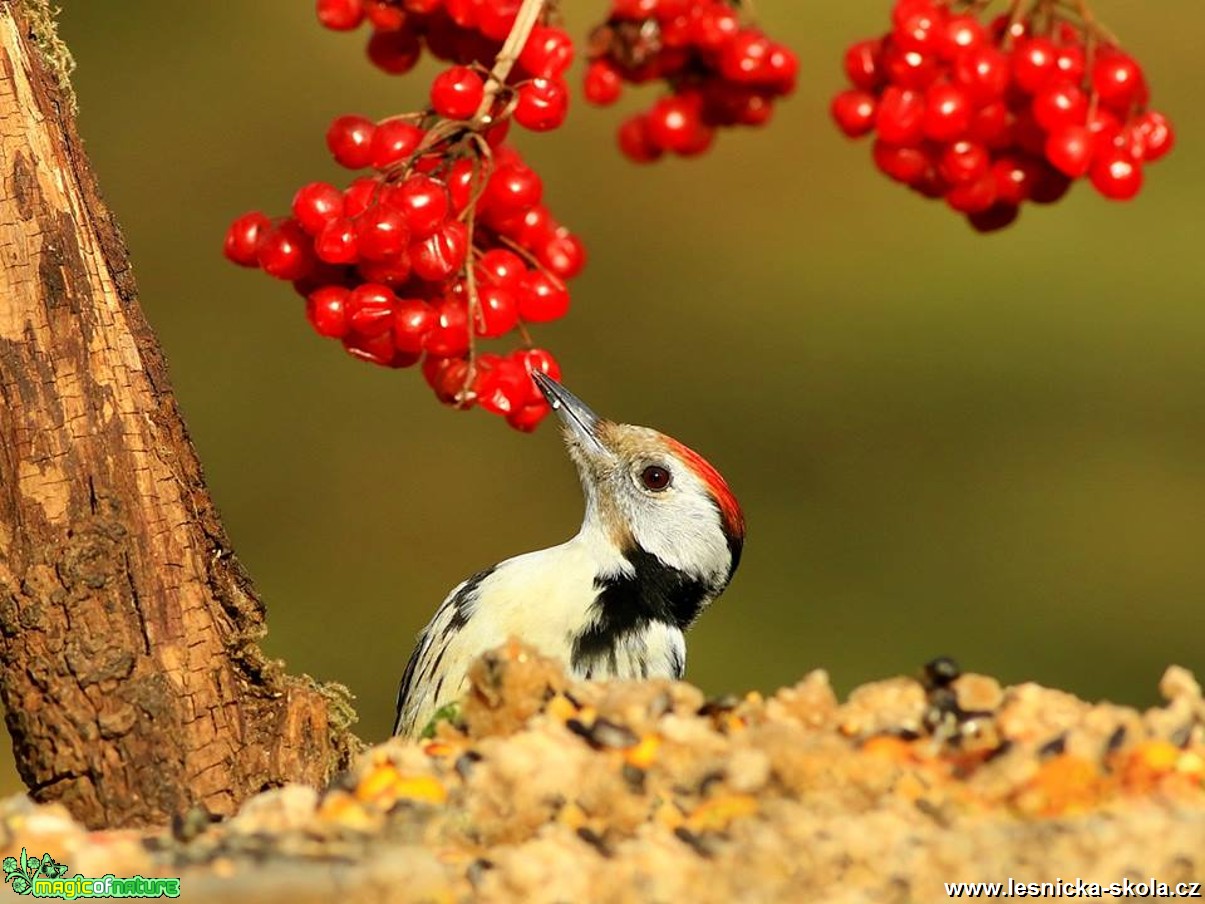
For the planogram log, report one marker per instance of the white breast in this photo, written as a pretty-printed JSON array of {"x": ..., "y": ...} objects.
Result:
[{"x": 543, "y": 598}]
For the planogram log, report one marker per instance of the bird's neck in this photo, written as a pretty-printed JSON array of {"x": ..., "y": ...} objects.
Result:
[{"x": 636, "y": 587}]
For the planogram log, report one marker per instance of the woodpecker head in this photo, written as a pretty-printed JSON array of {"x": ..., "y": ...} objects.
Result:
[{"x": 661, "y": 505}]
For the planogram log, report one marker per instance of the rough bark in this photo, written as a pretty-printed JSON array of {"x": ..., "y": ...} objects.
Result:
[{"x": 133, "y": 685}]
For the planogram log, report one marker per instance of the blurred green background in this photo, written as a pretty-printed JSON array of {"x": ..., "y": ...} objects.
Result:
[{"x": 992, "y": 447}]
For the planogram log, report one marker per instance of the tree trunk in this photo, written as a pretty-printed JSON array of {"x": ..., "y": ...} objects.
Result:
[{"x": 129, "y": 667}]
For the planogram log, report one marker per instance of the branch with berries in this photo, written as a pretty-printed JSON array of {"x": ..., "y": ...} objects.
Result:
[
  {"x": 444, "y": 240},
  {"x": 991, "y": 110}
]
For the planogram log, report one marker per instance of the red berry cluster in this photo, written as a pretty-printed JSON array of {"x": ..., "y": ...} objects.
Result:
[
  {"x": 445, "y": 242},
  {"x": 988, "y": 116},
  {"x": 468, "y": 33},
  {"x": 720, "y": 72}
]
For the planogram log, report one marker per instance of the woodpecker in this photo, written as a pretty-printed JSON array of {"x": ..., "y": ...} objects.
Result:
[{"x": 661, "y": 538}]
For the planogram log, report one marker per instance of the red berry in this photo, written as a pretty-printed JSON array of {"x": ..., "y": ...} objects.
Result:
[
  {"x": 360, "y": 195},
  {"x": 975, "y": 196},
  {"x": 1015, "y": 178},
  {"x": 1060, "y": 104},
  {"x": 919, "y": 31},
  {"x": 1069, "y": 63},
  {"x": 284, "y": 251},
  {"x": 635, "y": 143},
  {"x": 964, "y": 161},
  {"x": 496, "y": 18},
  {"x": 341, "y": 15},
  {"x": 984, "y": 72},
  {"x": 394, "y": 141},
  {"x": 959, "y": 33},
  {"x": 542, "y": 297},
  {"x": 1049, "y": 186},
  {"x": 1035, "y": 62},
  {"x": 413, "y": 321},
  {"x": 782, "y": 69},
  {"x": 527, "y": 418},
  {"x": 903, "y": 164},
  {"x": 424, "y": 203},
  {"x": 547, "y": 53},
  {"x": 1069, "y": 150},
  {"x": 449, "y": 337},
  {"x": 537, "y": 360},
  {"x": 542, "y": 104},
  {"x": 326, "y": 310},
  {"x": 376, "y": 349},
  {"x": 500, "y": 385},
  {"x": 447, "y": 376},
  {"x": 350, "y": 141},
  {"x": 317, "y": 204},
  {"x": 513, "y": 188},
  {"x": 854, "y": 112},
  {"x": 674, "y": 123},
  {"x": 439, "y": 256},
  {"x": 743, "y": 59},
  {"x": 994, "y": 218},
  {"x": 991, "y": 126},
  {"x": 384, "y": 15},
  {"x": 903, "y": 10},
  {"x": 336, "y": 243},
  {"x": 863, "y": 65},
  {"x": 242, "y": 238},
  {"x": 947, "y": 112},
  {"x": 1105, "y": 128},
  {"x": 462, "y": 12},
  {"x": 534, "y": 228},
  {"x": 900, "y": 117},
  {"x": 497, "y": 311},
  {"x": 1117, "y": 79},
  {"x": 370, "y": 309},
  {"x": 462, "y": 181},
  {"x": 395, "y": 52},
  {"x": 381, "y": 233},
  {"x": 712, "y": 28},
  {"x": 603, "y": 83},
  {"x": 1157, "y": 135},
  {"x": 393, "y": 272},
  {"x": 563, "y": 254},
  {"x": 457, "y": 92},
  {"x": 1117, "y": 175},
  {"x": 500, "y": 267},
  {"x": 910, "y": 68}
]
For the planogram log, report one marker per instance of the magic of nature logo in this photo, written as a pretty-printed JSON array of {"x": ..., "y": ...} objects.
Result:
[{"x": 43, "y": 877}]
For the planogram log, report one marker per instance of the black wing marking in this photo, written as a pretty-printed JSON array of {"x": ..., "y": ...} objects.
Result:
[
  {"x": 454, "y": 613},
  {"x": 627, "y": 603}
]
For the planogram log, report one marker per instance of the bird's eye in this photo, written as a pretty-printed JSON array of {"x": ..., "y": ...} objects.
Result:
[{"x": 655, "y": 478}]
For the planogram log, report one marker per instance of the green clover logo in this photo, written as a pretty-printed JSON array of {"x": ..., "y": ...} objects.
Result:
[{"x": 22, "y": 873}]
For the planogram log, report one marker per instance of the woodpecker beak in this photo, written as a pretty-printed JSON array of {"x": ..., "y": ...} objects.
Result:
[{"x": 580, "y": 422}]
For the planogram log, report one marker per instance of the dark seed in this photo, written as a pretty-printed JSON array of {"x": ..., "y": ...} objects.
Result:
[
  {"x": 477, "y": 870},
  {"x": 1053, "y": 747},
  {"x": 596, "y": 841},
  {"x": 604, "y": 733},
  {"x": 940, "y": 672},
  {"x": 634, "y": 776},
  {"x": 711, "y": 778},
  {"x": 1116, "y": 739},
  {"x": 718, "y": 705},
  {"x": 697, "y": 843},
  {"x": 466, "y": 761},
  {"x": 1183, "y": 735}
]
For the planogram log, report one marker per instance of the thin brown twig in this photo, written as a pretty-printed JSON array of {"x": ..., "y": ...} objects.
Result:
[{"x": 526, "y": 19}]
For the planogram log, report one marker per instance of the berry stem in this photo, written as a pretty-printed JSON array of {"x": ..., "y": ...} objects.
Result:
[
  {"x": 1016, "y": 12},
  {"x": 526, "y": 19}
]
